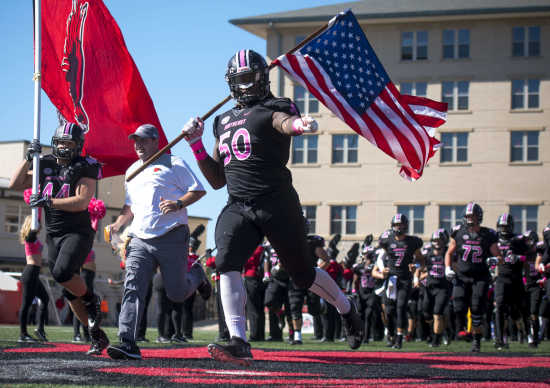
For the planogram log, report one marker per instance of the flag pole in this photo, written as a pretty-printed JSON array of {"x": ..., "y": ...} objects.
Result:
[
  {"x": 37, "y": 86},
  {"x": 157, "y": 155}
]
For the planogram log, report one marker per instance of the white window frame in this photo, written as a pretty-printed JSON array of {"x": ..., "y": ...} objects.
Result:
[
  {"x": 346, "y": 149},
  {"x": 22, "y": 212},
  {"x": 308, "y": 98},
  {"x": 414, "y": 88},
  {"x": 456, "y": 43},
  {"x": 525, "y": 93},
  {"x": 409, "y": 211},
  {"x": 344, "y": 220},
  {"x": 454, "y": 147},
  {"x": 307, "y": 139},
  {"x": 415, "y": 45},
  {"x": 525, "y": 147},
  {"x": 526, "y": 40},
  {"x": 312, "y": 221},
  {"x": 454, "y": 219},
  {"x": 456, "y": 95},
  {"x": 523, "y": 220}
]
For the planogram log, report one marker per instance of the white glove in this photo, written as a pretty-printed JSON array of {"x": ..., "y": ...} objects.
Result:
[
  {"x": 415, "y": 281},
  {"x": 306, "y": 124},
  {"x": 449, "y": 273},
  {"x": 193, "y": 130}
]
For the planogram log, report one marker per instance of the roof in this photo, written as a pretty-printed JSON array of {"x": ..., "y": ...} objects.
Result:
[{"x": 391, "y": 9}]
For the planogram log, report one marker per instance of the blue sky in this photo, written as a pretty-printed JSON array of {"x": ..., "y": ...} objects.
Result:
[{"x": 181, "y": 49}]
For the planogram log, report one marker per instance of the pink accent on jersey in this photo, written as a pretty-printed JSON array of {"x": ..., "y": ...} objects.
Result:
[
  {"x": 64, "y": 191},
  {"x": 48, "y": 190},
  {"x": 33, "y": 248},
  {"x": 90, "y": 258}
]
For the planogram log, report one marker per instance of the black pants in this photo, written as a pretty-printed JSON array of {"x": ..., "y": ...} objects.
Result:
[
  {"x": 398, "y": 308},
  {"x": 187, "y": 318},
  {"x": 436, "y": 298},
  {"x": 88, "y": 277},
  {"x": 370, "y": 307},
  {"x": 470, "y": 293},
  {"x": 509, "y": 297},
  {"x": 243, "y": 224},
  {"x": 32, "y": 287},
  {"x": 255, "y": 293},
  {"x": 67, "y": 253},
  {"x": 276, "y": 297}
]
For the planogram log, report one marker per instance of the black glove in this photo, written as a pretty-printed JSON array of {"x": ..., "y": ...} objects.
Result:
[
  {"x": 34, "y": 148},
  {"x": 36, "y": 200}
]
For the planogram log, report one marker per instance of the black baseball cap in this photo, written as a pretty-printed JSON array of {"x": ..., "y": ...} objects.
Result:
[{"x": 145, "y": 131}]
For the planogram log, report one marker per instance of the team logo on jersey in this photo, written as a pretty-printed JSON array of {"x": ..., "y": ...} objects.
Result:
[
  {"x": 73, "y": 63},
  {"x": 47, "y": 171},
  {"x": 393, "y": 246},
  {"x": 225, "y": 120},
  {"x": 465, "y": 237}
]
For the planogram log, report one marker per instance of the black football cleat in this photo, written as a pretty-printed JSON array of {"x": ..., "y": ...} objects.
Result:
[
  {"x": 124, "y": 351},
  {"x": 25, "y": 338},
  {"x": 99, "y": 342},
  {"x": 237, "y": 351},
  {"x": 353, "y": 326},
  {"x": 93, "y": 307},
  {"x": 41, "y": 334}
]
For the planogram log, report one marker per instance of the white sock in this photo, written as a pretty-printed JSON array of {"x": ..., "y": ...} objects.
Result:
[
  {"x": 297, "y": 335},
  {"x": 233, "y": 297},
  {"x": 326, "y": 288}
]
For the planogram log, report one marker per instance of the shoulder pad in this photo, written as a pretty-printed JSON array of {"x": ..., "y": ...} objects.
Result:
[{"x": 282, "y": 105}]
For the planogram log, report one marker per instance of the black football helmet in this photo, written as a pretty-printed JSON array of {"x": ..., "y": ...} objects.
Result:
[
  {"x": 505, "y": 225},
  {"x": 248, "y": 77},
  {"x": 68, "y": 132},
  {"x": 440, "y": 239},
  {"x": 400, "y": 224},
  {"x": 531, "y": 238},
  {"x": 473, "y": 215}
]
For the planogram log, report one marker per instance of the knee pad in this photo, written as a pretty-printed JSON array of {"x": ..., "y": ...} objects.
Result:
[
  {"x": 61, "y": 275},
  {"x": 68, "y": 295}
]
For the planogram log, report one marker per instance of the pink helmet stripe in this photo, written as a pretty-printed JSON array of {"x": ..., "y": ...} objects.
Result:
[
  {"x": 67, "y": 129},
  {"x": 242, "y": 58},
  {"x": 470, "y": 208}
]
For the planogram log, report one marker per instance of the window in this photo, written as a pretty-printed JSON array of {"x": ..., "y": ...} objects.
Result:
[
  {"x": 456, "y": 44},
  {"x": 526, "y": 41},
  {"x": 525, "y": 94},
  {"x": 415, "y": 214},
  {"x": 451, "y": 215},
  {"x": 414, "y": 45},
  {"x": 414, "y": 88},
  {"x": 525, "y": 217},
  {"x": 343, "y": 219},
  {"x": 310, "y": 213},
  {"x": 344, "y": 149},
  {"x": 14, "y": 217},
  {"x": 454, "y": 148},
  {"x": 524, "y": 146},
  {"x": 455, "y": 94},
  {"x": 305, "y": 102},
  {"x": 304, "y": 149}
]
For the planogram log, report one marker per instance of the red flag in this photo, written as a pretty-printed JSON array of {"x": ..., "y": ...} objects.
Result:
[
  {"x": 91, "y": 78},
  {"x": 341, "y": 69}
]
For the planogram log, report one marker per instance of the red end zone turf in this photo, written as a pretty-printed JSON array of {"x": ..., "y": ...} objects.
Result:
[{"x": 191, "y": 366}]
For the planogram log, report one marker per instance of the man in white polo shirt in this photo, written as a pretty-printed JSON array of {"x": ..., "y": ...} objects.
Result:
[{"x": 156, "y": 202}]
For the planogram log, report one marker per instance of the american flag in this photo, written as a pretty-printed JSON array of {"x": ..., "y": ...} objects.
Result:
[{"x": 341, "y": 69}]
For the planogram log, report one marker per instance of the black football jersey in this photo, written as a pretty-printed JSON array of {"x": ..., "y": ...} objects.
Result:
[
  {"x": 511, "y": 250},
  {"x": 435, "y": 265},
  {"x": 472, "y": 250},
  {"x": 400, "y": 254},
  {"x": 254, "y": 153},
  {"x": 366, "y": 280},
  {"x": 60, "y": 182}
]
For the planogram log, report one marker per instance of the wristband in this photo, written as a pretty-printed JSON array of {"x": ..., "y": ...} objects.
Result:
[
  {"x": 267, "y": 274},
  {"x": 198, "y": 150},
  {"x": 297, "y": 126}
]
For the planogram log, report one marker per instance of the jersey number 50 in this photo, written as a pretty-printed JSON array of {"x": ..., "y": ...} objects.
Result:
[{"x": 240, "y": 154}]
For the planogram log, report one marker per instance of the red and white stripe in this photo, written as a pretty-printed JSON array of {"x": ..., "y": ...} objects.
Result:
[{"x": 398, "y": 125}]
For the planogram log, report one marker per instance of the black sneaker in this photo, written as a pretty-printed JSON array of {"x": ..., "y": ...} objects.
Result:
[
  {"x": 26, "y": 338},
  {"x": 179, "y": 339},
  {"x": 93, "y": 307},
  {"x": 353, "y": 326},
  {"x": 296, "y": 342},
  {"x": 398, "y": 342},
  {"x": 390, "y": 341},
  {"x": 77, "y": 339},
  {"x": 41, "y": 334},
  {"x": 141, "y": 339},
  {"x": 436, "y": 341},
  {"x": 205, "y": 288},
  {"x": 124, "y": 351},
  {"x": 236, "y": 352},
  {"x": 99, "y": 342}
]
